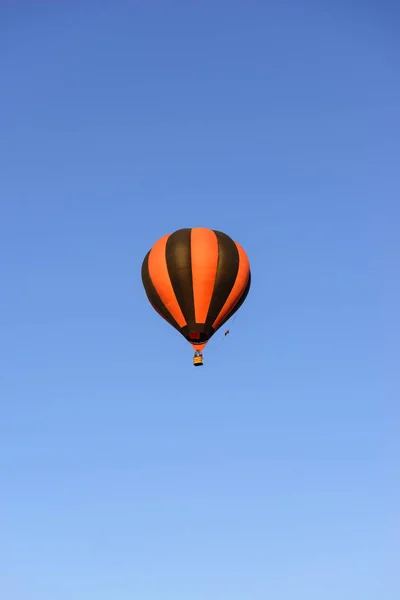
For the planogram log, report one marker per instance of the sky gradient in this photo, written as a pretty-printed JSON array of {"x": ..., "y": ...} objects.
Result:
[{"x": 272, "y": 472}]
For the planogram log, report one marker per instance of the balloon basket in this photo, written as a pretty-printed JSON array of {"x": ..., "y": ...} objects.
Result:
[{"x": 198, "y": 361}]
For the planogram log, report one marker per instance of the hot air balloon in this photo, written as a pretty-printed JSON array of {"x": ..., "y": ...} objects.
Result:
[{"x": 196, "y": 279}]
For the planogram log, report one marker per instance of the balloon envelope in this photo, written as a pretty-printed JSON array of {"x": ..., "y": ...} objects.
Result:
[{"x": 196, "y": 279}]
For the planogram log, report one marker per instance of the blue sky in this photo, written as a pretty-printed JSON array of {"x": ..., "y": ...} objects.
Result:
[{"x": 272, "y": 471}]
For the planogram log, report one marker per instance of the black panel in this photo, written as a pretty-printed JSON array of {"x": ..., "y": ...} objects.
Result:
[
  {"x": 179, "y": 263},
  {"x": 153, "y": 296},
  {"x": 204, "y": 337},
  {"x": 227, "y": 270},
  {"x": 239, "y": 302}
]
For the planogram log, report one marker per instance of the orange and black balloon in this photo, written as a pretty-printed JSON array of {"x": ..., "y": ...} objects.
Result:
[{"x": 196, "y": 279}]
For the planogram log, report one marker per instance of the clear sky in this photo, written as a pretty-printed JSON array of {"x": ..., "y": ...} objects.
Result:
[{"x": 271, "y": 472}]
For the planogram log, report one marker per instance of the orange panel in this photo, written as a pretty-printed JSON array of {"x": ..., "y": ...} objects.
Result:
[
  {"x": 199, "y": 347},
  {"x": 238, "y": 288},
  {"x": 204, "y": 248},
  {"x": 158, "y": 272}
]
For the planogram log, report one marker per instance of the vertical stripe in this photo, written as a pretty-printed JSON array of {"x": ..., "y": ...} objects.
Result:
[
  {"x": 153, "y": 296},
  {"x": 159, "y": 275},
  {"x": 178, "y": 256},
  {"x": 204, "y": 270},
  {"x": 227, "y": 270},
  {"x": 239, "y": 303},
  {"x": 237, "y": 289}
]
